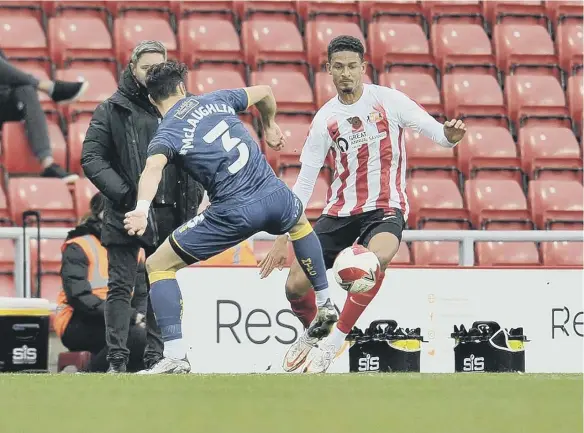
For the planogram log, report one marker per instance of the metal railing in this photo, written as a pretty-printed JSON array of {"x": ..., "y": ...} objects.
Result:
[{"x": 466, "y": 238}]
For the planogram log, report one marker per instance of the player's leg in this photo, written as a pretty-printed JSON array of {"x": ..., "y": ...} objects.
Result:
[
  {"x": 382, "y": 236},
  {"x": 317, "y": 320},
  {"x": 166, "y": 299}
]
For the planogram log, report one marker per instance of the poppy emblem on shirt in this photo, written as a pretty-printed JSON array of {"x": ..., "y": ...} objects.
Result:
[
  {"x": 374, "y": 117},
  {"x": 355, "y": 122}
]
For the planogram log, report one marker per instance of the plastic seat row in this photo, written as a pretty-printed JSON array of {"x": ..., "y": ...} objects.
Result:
[{"x": 274, "y": 37}]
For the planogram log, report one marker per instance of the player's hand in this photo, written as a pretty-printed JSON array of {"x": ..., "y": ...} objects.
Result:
[
  {"x": 454, "y": 130},
  {"x": 136, "y": 222},
  {"x": 276, "y": 258},
  {"x": 274, "y": 138}
]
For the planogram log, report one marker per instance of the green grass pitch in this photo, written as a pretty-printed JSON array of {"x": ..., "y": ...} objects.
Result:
[{"x": 350, "y": 403}]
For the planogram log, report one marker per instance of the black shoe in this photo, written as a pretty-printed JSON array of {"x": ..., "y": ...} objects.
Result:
[
  {"x": 68, "y": 91},
  {"x": 55, "y": 170},
  {"x": 115, "y": 368}
]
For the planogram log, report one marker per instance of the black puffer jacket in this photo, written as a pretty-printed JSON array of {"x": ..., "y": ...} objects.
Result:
[{"x": 114, "y": 155}]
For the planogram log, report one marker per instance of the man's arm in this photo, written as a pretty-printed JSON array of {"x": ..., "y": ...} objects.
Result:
[
  {"x": 263, "y": 99},
  {"x": 411, "y": 115},
  {"x": 95, "y": 160},
  {"x": 150, "y": 179}
]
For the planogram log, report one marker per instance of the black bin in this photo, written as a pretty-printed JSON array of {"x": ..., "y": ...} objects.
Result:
[
  {"x": 384, "y": 347},
  {"x": 486, "y": 347}
]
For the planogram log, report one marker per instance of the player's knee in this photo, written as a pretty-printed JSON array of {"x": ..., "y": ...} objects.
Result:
[
  {"x": 297, "y": 285},
  {"x": 154, "y": 264}
]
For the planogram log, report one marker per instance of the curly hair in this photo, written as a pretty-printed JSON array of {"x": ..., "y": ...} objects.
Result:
[
  {"x": 163, "y": 78},
  {"x": 346, "y": 43}
]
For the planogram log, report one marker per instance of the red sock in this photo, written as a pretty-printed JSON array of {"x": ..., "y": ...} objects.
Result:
[
  {"x": 355, "y": 305},
  {"x": 305, "y": 308}
]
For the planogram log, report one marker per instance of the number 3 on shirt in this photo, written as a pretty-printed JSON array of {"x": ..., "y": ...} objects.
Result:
[{"x": 222, "y": 130}]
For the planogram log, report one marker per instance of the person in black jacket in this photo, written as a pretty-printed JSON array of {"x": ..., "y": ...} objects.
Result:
[
  {"x": 113, "y": 157},
  {"x": 80, "y": 321},
  {"x": 19, "y": 100}
]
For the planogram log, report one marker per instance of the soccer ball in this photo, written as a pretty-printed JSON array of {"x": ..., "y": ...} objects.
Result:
[{"x": 356, "y": 269}]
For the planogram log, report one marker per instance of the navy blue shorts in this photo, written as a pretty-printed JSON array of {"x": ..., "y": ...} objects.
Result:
[{"x": 222, "y": 226}]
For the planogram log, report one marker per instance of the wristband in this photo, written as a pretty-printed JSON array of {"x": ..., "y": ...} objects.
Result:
[{"x": 144, "y": 206}]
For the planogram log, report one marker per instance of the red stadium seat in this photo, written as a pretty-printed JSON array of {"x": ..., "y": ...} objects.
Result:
[
  {"x": 556, "y": 203},
  {"x": 295, "y": 129},
  {"x": 211, "y": 79},
  {"x": 575, "y": 95},
  {"x": 497, "y": 204},
  {"x": 318, "y": 200},
  {"x": 50, "y": 287},
  {"x": 22, "y": 36},
  {"x": 436, "y": 201},
  {"x": 5, "y": 217},
  {"x": 129, "y": 31},
  {"x": 17, "y": 156},
  {"x": 102, "y": 84},
  {"x": 75, "y": 38},
  {"x": 507, "y": 254},
  {"x": 7, "y": 262},
  {"x": 460, "y": 43},
  {"x": 273, "y": 40},
  {"x": 488, "y": 151},
  {"x": 418, "y": 86},
  {"x": 75, "y": 138},
  {"x": 561, "y": 9},
  {"x": 329, "y": 9},
  {"x": 393, "y": 42},
  {"x": 324, "y": 88},
  {"x": 436, "y": 253},
  {"x": 562, "y": 253},
  {"x": 523, "y": 44},
  {"x": 267, "y": 9},
  {"x": 82, "y": 193},
  {"x": 548, "y": 151},
  {"x": 534, "y": 95},
  {"x": 49, "y": 196},
  {"x": 205, "y": 38},
  {"x": 40, "y": 73},
  {"x": 208, "y": 8},
  {"x": 452, "y": 10},
  {"x": 402, "y": 257},
  {"x": 403, "y": 10},
  {"x": 512, "y": 10},
  {"x": 569, "y": 44},
  {"x": 50, "y": 255},
  {"x": 320, "y": 33},
  {"x": 252, "y": 131},
  {"x": 472, "y": 93},
  {"x": 291, "y": 89},
  {"x": 422, "y": 153}
]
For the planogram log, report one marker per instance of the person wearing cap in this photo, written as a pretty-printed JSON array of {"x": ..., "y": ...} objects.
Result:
[
  {"x": 113, "y": 157},
  {"x": 80, "y": 321},
  {"x": 19, "y": 101}
]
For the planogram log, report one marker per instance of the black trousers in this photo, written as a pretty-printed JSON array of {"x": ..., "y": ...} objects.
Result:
[
  {"x": 122, "y": 269},
  {"x": 21, "y": 102},
  {"x": 88, "y": 334}
]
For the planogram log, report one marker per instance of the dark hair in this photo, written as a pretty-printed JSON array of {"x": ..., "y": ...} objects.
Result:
[
  {"x": 345, "y": 43},
  {"x": 96, "y": 205},
  {"x": 162, "y": 79}
]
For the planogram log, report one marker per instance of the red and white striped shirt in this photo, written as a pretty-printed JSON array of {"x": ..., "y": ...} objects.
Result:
[{"x": 368, "y": 145}]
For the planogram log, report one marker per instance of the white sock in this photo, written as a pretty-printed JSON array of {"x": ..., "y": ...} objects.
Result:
[
  {"x": 322, "y": 296},
  {"x": 337, "y": 337},
  {"x": 175, "y": 349}
]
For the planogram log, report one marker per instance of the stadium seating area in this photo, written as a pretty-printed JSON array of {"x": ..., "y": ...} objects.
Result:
[{"x": 512, "y": 70}]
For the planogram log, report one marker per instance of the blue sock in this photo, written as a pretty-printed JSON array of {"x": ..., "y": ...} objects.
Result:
[
  {"x": 167, "y": 304},
  {"x": 309, "y": 255}
]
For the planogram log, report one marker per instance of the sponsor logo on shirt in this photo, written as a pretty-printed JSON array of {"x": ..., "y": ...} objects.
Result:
[
  {"x": 185, "y": 108},
  {"x": 355, "y": 141},
  {"x": 355, "y": 122},
  {"x": 374, "y": 117}
]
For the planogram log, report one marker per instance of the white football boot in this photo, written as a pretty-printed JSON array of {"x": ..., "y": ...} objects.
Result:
[
  {"x": 321, "y": 357},
  {"x": 326, "y": 317},
  {"x": 169, "y": 366}
]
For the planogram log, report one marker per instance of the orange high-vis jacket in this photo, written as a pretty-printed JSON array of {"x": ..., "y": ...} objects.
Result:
[
  {"x": 97, "y": 276},
  {"x": 241, "y": 254}
]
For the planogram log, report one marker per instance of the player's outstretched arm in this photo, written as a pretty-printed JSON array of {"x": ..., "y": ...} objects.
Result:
[
  {"x": 263, "y": 99},
  {"x": 137, "y": 220}
]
